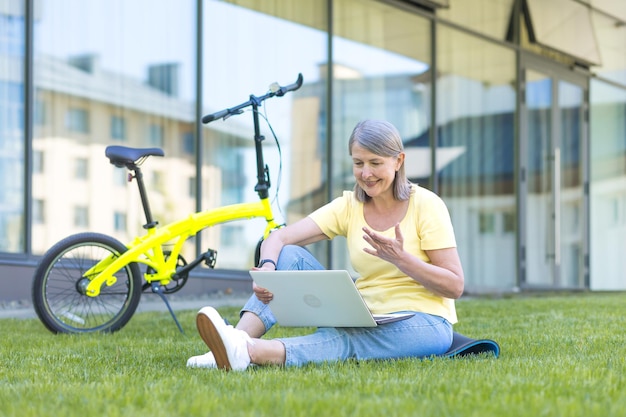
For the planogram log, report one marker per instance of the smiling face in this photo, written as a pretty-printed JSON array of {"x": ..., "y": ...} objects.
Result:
[
  {"x": 375, "y": 174},
  {"x": 377, "y": 153}
]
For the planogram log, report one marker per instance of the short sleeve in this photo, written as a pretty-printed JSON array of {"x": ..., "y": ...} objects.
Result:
[
  {"x": 435, "y": 228},
  {"x": 334, "y": 217}
]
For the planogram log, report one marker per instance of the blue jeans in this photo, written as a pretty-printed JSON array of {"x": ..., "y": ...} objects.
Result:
[{"x": 421, "y": 336}]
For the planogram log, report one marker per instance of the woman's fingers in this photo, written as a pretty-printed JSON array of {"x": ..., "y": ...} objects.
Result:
[
  {"x": 262, "y": 293},
  {"x": 383, "y": 247}
]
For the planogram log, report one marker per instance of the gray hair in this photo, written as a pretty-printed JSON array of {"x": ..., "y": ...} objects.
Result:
[{"x": 383, "y": 139}]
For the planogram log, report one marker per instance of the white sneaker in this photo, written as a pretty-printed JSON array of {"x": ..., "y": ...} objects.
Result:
[
  {"x": 202, "y": 361},
  {"x": 229, "y": 345}
]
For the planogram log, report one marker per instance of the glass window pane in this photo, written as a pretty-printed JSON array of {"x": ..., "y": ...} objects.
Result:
[
  {"x": 38, "y": 166},
  {"x": 381, "y": 71},
  {"x": 39, "y": 211},
  {"x": 251, "y": 44},
  {"x": 103, "y": 78},
  {"x": 475, "y": 153},
  {"x": 540, "y": 221},
  {"x": 119, "y": 221},
  {"x": 77, "y": 120},
  {"x": 81, "y": 216},
  {"x": 155, "y": 136},
  {"x": 118, "y": 128},
  {"x": 191, "y": 184},
  {"x": 608, "y": 187},
  {"x": 571, "y": 196},
  {"x": 81, "y": 168},
  {"x": 39, "y": 116},
  {"x": 189, "y": 143},
  {"x": 11, "y": 126}
]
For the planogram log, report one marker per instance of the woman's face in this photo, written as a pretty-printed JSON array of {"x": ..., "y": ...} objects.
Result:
[{"x": 375, "y": 173}]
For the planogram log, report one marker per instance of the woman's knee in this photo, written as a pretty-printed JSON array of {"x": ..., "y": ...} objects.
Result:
[{"x": 293, "y": 257}]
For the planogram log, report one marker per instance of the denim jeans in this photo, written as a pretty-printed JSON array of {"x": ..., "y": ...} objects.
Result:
[{"x": 421, "y": 336}]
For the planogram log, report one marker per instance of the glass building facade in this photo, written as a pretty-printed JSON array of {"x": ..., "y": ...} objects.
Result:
[{"x": 514, "y": 111}]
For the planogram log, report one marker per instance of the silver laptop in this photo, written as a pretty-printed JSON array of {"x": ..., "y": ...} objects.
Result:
[{"x": 321, "y": 298}]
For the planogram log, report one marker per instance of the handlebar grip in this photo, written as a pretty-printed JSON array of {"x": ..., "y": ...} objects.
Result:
[
  {"x": 214, "y": 116},
  {"x": 291, "y": 87}
]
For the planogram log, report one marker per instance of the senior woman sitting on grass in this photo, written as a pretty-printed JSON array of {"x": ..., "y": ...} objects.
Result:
[{"x": 400, "y": 241}]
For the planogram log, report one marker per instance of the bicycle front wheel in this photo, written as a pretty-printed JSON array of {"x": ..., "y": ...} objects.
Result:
[{"x": 59, "y": 286}]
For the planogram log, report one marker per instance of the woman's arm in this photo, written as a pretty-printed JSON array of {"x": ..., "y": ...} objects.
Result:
[
  {"x": 301, "y": 233},
  {"x": 442, "y": 276}
]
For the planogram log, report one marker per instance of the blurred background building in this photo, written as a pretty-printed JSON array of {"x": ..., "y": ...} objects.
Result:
[{"x": 514, "y": 111}]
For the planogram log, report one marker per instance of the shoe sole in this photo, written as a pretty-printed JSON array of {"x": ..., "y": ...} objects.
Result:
[{"x": 213, "y": 339}]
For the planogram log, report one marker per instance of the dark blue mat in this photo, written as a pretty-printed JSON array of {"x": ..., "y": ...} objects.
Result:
[{"x": 464, "y": 346}]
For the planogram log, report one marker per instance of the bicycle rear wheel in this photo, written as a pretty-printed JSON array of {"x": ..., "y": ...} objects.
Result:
[{"x": 59, "y": 287}]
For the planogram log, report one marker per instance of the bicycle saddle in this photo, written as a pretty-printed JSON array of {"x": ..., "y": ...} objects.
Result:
[{"x": 123, "y": 156}]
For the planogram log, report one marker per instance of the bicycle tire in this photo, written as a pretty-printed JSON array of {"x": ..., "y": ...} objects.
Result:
[
  {"x": 257, "y": 251},
  {"x": 58, "y": 290}
]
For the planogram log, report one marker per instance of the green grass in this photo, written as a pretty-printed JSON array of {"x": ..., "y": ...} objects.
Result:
[{"x": 562, "y": 355}]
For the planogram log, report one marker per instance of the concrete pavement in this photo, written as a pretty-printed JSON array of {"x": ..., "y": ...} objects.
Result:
[{"x": 149, "y": 302}]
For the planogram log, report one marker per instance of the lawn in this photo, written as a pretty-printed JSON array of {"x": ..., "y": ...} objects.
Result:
[{"x": 561, "y": 355}]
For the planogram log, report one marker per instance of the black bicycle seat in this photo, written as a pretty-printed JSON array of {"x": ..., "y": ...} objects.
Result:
[{"x": 123, "y": 156}]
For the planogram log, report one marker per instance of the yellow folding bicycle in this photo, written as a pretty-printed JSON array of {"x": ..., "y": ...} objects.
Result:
[{"x": 92, "y": 282}]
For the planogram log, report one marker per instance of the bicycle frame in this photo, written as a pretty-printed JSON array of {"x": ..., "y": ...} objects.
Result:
[{"x": 148, "y": 249}]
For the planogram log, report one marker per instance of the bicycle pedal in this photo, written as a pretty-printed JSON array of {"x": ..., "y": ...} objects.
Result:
[{"x": 210, "y": 258}]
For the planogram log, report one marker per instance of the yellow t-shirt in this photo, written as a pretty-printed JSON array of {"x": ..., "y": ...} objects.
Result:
[{"x": 386, "y": 289}]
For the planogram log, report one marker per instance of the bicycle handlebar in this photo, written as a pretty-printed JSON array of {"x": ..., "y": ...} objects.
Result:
[{"x": 275, "y": 90}]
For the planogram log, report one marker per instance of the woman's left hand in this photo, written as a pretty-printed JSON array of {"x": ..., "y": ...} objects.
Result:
[
  {"x": 383, "y": 247},
  {"x": 443, "y": 275}
]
